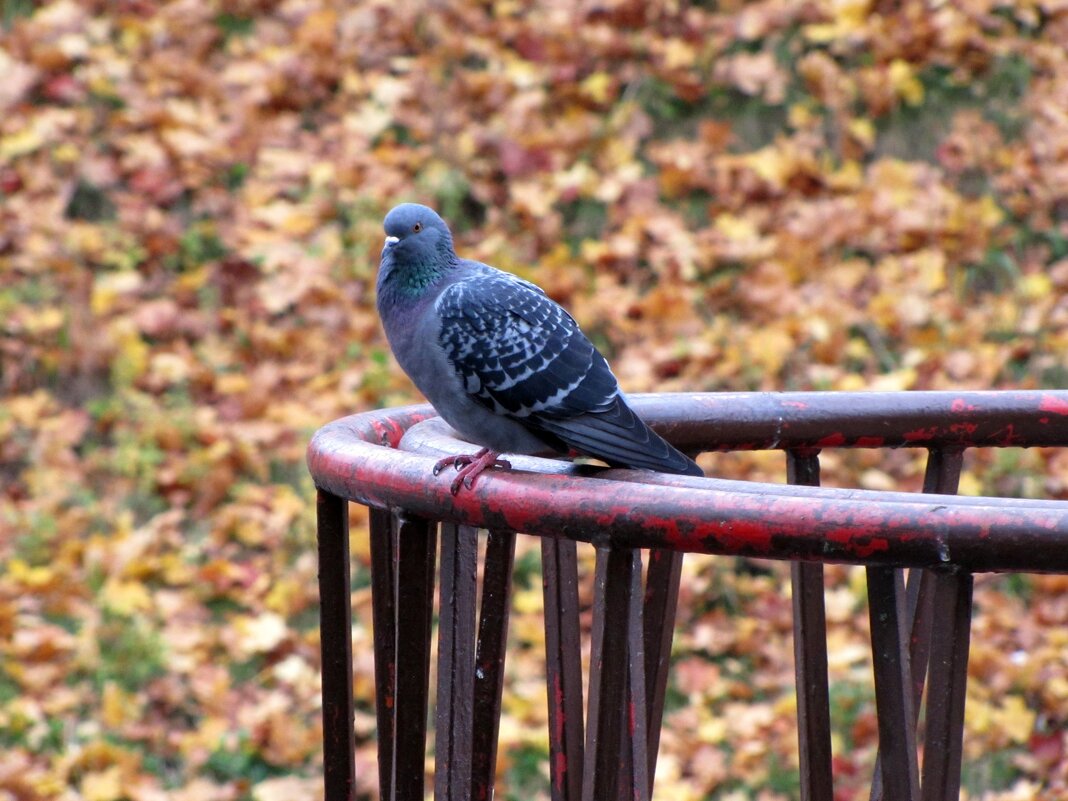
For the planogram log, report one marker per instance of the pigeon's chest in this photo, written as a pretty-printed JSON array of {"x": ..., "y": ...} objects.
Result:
[{"x": 414, "y": 334}]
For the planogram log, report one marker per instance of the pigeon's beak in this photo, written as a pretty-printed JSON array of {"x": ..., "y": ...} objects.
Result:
[{"x": 391, "y": 241}]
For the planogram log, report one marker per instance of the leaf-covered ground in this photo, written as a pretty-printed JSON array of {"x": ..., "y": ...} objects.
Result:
[{"x": 785, "y": 194}]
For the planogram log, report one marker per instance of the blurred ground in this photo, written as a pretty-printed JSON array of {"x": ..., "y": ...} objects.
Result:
[{"x": 770, "y": 195}]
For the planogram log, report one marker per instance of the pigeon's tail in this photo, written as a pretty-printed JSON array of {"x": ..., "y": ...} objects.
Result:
[{"x": 619, "y": 437}]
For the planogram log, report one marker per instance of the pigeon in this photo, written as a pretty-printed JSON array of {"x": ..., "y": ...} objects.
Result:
[{"x": 503, "y": 364}]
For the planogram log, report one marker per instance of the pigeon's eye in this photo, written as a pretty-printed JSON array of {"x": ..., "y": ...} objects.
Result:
[{"x": 417, "y": 228}]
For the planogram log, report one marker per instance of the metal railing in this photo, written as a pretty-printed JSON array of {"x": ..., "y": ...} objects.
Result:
[{"x": 919, "y": 630}]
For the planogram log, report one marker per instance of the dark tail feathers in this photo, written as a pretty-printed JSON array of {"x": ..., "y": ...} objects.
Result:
[{"x": 619, "y": 437}]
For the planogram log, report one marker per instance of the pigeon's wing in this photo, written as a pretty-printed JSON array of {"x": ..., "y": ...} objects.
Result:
[{"x": 521, "y": 355}]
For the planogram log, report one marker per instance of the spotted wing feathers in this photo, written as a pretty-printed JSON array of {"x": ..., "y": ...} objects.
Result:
[{"x": 521, "y": 355}]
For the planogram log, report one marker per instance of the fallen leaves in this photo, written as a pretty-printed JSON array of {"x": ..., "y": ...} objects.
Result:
[{"x": 771, "y": 195}]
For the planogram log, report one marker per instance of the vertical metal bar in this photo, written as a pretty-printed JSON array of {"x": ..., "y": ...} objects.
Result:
[
  {"x": 335, "y": 628},
  {"x": 638, "y": 784},
  {"x": 810, "y": 655},
  {"x": 559, "y": 566},
  {"x": 456, "y": 663},
  {"x": 609, "y": 695},
  {"x": 597, "y": 667},
  {"x": 661, "y": 602},
  {"x": 489, "y": 660},
  {"x": 383, "y": 595},
  {"x": 416, "y": 550},
  {"x": 943, "y": 749},
  {"x": 942, "y": 476},
  {"x": 893, "y": 684}
]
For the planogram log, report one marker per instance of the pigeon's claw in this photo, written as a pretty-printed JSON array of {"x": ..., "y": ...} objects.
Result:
[{"x": 470, "y": 466}]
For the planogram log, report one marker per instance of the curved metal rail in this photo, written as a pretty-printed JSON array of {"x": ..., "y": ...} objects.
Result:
[{"x": 384, "y": 460}]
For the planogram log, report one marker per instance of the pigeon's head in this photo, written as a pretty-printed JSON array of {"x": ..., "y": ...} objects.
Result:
[{"x": 416, "y": 234}]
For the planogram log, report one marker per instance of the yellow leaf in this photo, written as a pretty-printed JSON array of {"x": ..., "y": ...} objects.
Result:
[
  {"x": 125, "y": 597},
  {"x": 42, "y": 321},
  {"x": 261, "y": 633},
  {"x": 598, "y": 87},
  {"x": 1015, "y": 719},
  {"x": 103, "y": 785},
  {"x": 528, "y": 601},
  {"x": 679, "y": 55},
  {"x": 131, "y": 361},
  {"x": 285, "y": 788},
  {"x": 969, "y": 485},
  {"x": 117, "y": 706},
  {"x": 932, "y": 269},
  {"x": 66, "y": 153},
  {"x": 232, "y": 383},
  {"x": 1036, "y": 286},
  {"x": 109, "y": 287},
  {"x": 863, "y": 130},
  {"x": 849, "y": 16},
  {"x": 990, "y": 213},
  {"x": 905, "y": 83},
  {"x": 30, "y": 577},
  {"x": 20, "y": 143},
  {"x": 736, "y": 228},
  {"x": 713, "y": 730}
]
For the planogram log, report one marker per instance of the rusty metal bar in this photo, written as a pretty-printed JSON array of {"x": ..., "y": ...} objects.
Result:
[
  {"x": 709, "y": 516},
  {"x": 795, "y": 420},
  {"x": 595, "y": 727},
  {"x": 416, "y": 547},
  {"x": 335, "y": 621},
  {"x": 383, "y": 536},
  {"x": 559, "y": 566},
  {"x": 810, "y": 654},
  {"x": 456, "y": 662},
  {"x": 489, "y": 660},
  {"x": 941, "y": 477},
  {"x": 893, "y": 684},
  {"x": 661, "y": 603},
  {"x": 621, "y": 510},
  {"x": 638, "y": 781},
  {"x": 942, "y": 754},
  {"x": 613, "y": 675},
  {"x": 792, "y": 420}
]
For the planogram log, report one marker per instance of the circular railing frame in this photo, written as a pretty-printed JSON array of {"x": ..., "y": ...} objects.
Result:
[
  {"x": 385, "y": 459},
  {"x": 360, "y": 458}
]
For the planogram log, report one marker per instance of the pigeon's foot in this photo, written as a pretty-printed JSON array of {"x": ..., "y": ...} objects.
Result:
[{"x": 470, "y": 467}]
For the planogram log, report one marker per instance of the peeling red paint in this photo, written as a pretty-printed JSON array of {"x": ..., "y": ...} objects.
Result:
[
  {"x": 870, "y": 442},
  {"x": 1054, "y": 404},
  {"x": 921, "y": 434},
  {"x": 961, "y": 405},
  {"x": 561, "y": 769},
  {"x": 832, "y": 440},
  {"x": 634, "y": 509}
]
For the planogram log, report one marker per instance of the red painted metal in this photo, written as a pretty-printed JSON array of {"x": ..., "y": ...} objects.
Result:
[
  {"x": 385, "y": 460},
  {"x": 563, "y": 667},
  {"x": 454, "y": 727},
  {"x": 335, "y": 616},
  {"x": 658, "y": 618},
  {"x": 416, "y": 544},
  {"x": 383, "y": 541},
  {"x": 810, "y": 655},
  {"x": 893, "y": 684},
  {"x": 489, "y": 660},
  {"x": 553, "y": 498}
]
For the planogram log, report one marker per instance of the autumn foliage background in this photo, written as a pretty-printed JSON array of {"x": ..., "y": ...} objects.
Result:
[{"x": 785, "y": 194}]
